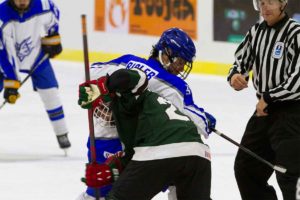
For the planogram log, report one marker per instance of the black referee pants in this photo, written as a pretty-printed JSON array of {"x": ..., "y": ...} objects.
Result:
[
  {"x": 142, "y": 180},
  {"x": 276, "y": 138}
]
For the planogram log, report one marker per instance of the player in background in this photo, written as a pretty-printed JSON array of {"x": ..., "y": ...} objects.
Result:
[
  {"x": 162, "y": 146},
  {"x": 170, "y": 62},
  {"x": 29, "y": 30},
  {"x": 271, "y": 50}
]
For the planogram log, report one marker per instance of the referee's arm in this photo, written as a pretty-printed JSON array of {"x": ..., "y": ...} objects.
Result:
[{"x": 238, "y": 75}]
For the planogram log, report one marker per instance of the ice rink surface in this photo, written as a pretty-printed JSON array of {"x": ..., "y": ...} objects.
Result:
[{"x": 32, "y": 167}]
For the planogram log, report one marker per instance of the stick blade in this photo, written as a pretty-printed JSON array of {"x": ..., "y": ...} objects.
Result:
[{"x": 279, "y": 169}]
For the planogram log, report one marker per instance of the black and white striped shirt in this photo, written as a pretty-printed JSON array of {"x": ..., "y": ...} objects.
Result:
[{"x": 273, "y": 55}]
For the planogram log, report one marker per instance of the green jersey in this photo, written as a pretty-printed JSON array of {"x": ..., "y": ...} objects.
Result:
[{"x": 149, "y": 126}]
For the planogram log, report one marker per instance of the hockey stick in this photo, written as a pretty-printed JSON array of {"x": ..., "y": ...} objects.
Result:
[
  {"x": 90, "y": 111},
  {"x": 251, "y": 153},
  {"x": 29, "y": 74}
]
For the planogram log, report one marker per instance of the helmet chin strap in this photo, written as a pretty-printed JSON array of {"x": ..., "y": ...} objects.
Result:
[
  {"x": 166, "y": 66},
  {"x": 282, "y": 10}
]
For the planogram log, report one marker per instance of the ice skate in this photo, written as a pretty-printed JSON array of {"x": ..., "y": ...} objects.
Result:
[{"x": 64, "y": 142}]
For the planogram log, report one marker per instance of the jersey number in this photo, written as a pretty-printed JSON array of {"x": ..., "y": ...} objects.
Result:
[{"x": 171, "y": 110}]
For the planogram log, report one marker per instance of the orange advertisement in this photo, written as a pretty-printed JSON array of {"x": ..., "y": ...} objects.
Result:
[
  {"x": 152, "y": 17},
  {"x": 99, "y": 15}
]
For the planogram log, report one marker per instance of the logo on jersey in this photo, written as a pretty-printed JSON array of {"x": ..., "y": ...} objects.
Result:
[
  {"x": 24, "y": 48},
  {"x": 278, "y": 50},
  {"x": 107, "y": 154},
  {"x": 148, "y": 70},
  {"x": 118, "y": 154},
  {"x": 188, "y": 90},
  {"x": 207, "y": 155}
]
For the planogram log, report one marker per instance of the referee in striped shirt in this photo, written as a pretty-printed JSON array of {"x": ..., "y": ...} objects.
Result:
[{"x": 271, "y": 50}]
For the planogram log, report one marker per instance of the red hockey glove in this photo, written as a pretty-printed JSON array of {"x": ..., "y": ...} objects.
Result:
[
  {"x": 91, "y": 91},
  {"x": 99, "y": 175}
]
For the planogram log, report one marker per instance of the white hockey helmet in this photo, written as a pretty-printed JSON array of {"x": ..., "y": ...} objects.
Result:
[{"x": 256, "y": 3}]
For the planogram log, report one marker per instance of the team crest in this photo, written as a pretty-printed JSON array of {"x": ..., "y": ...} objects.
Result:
[
  {"x": 278, "y": 50},
  {"x": 24, "y": 48}
]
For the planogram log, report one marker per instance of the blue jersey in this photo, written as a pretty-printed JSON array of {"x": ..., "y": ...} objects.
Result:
[
  {"x": 167, "y": 85},
  {"x": 20, "y": 35}
]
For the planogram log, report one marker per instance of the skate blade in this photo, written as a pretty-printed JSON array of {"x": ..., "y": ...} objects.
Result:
[{"x": 66, "y": 152}]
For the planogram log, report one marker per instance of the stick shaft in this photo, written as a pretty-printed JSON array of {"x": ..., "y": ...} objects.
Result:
[
  {"x": 90, "y": 111},
  {"x": 87, "y": 78},
  {"x": 251, "y": 153},
  {"x": 29, "y": 74}
]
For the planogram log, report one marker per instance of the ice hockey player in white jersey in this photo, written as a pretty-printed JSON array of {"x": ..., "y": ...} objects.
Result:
[
  {"x": 169, "y": 64},
  {"x": 29, "y": 35}
]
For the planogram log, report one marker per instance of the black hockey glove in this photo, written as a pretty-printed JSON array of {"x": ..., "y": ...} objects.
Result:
[
  {"x": 51, "y": 45},
  {"x": 11, "y": 93}
]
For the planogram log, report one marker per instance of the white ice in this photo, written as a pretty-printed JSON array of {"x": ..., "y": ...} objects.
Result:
[{"x": 32, "y": 167}]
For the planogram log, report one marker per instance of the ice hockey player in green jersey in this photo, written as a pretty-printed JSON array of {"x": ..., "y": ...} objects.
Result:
[{"x": 162, "y": 146}]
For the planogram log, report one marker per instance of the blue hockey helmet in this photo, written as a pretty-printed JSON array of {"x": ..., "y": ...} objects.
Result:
[{"x": 175, "y": 43}]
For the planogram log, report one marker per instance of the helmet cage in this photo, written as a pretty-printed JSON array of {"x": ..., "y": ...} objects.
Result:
[
  {"x": 103, "y": 115},
  {"x": 186, "y": 70}
]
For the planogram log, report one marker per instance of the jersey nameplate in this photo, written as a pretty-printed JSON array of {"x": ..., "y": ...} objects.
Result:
[
  {"x": 278, "y": 50},
  {"x": 148, "y": 70}
]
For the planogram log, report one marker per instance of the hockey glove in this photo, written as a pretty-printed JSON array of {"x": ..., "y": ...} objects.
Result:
[
  {"x": 211, "y": 122},
  {"x": 11, "y": 93},
  {"x": 52, "y": 45},
  {"x": 99, "y": 175},
  {"x": 91, "y": 92}
]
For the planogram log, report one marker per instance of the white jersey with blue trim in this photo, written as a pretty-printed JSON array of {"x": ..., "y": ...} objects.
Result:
[
  {"x": 20, "y": 35},
  {"x": 167, "y": 85},
  {"x": 96, "y": 71}
]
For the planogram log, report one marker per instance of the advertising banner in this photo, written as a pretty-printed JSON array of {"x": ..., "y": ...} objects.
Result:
[
  {"x": 232, "y": 19},
  {"x": 112, "y": 15},
  {"x": 147, "y": 17},
  {"x": 99, "y": 15},
  {"x": 152, "y": 17}
]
